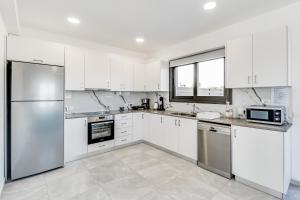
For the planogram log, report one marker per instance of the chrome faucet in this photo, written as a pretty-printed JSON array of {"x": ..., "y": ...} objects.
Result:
[{"x": 194, "y": 109}]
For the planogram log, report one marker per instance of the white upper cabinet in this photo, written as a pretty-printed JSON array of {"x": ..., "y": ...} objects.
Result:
[
  {"x": 139, "y": 78},
  {"x": 157, "y": 76},
  {"x": 34, "y": 51},
  {"x": 97, "y": 71},
  {"x": 74, "y": 68},
  {"x": 260, "y": 60},
  {"x": 239, "y": 63},
  {"x": 121, "y": 75},
  {"x": 270, "y": 58}
]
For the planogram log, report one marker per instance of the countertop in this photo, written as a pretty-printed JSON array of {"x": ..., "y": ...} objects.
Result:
[{"x": 226, "y": 121}]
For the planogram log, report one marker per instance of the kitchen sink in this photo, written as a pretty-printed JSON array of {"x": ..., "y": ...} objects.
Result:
[{"x": 183, "y": 114}]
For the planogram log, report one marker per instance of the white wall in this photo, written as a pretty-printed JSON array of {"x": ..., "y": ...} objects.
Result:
[
  {"x": 289, "y": 16},
  {"x": 2, "y": 91},
  {"x": 39, "y": 34}
]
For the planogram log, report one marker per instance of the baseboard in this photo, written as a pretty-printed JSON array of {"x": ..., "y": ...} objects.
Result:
[
  {"x": 1, "y": 186},
  {"x": 295, "y": 182}
]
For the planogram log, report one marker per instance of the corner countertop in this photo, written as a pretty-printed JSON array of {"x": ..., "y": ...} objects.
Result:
[{"x": 227, "y": 121}]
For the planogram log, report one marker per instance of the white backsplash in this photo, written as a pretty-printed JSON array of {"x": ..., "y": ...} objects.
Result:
[{"x": 85, "y": 101}]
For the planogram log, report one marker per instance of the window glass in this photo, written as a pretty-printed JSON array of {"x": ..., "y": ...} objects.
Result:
[
  {"x": 210, "y": 78},
  {"x": 184, "y": 80}
]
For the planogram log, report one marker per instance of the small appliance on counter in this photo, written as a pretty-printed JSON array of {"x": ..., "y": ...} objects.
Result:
[
  {"x": 161, "y": 104},
  {"x": 146, "y": 103},
  {"x": 155, "y": 106},
  {"x": 137, "y": 107},
  {"x": 275, "y": 115}
]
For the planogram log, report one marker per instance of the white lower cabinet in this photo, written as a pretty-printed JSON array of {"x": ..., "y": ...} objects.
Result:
[
  {"x": 140, "y": 126},
  {"x": 123, "y": 129},
  {"x": 75, "y": 138},
  {"x": 171, "y": 133},
  {"x": 187, "y": 145},
  {"x": 156, "y": 129},
  {"x": 258, "y": 156}
]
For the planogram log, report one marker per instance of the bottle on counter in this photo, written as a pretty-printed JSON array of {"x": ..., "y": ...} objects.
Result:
[{"x": 229, "y": 110}]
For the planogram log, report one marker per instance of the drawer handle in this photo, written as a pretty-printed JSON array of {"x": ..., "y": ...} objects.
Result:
[
  {"x": 123, "y": 140},
  {"x": 102, "y": 145},
  {"x": 124, "y": 132}
]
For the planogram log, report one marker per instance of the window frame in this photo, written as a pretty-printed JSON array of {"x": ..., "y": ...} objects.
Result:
[{"x": 198, "y": 99}]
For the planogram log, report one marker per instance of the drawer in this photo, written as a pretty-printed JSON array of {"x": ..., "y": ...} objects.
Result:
[
  {"x": 100, "y": 146},
  {"x": 126, "y": 123},
  {"x": 123, "y": 116},
  {"x": 122, "y": 140},
  {"x": 123, "y": 132}
]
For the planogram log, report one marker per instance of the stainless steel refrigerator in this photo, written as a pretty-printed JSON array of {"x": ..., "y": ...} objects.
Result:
[{"x": 35, "y": 118}]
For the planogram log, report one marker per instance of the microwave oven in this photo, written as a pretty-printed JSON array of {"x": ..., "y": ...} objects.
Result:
[{"x": 274, "y": 115}]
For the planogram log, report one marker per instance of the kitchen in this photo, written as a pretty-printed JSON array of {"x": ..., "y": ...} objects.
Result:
[{"x": 207, "y": 112}]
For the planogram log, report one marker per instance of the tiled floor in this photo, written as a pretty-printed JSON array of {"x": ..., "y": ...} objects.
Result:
[{"x": 136, "y": 172}]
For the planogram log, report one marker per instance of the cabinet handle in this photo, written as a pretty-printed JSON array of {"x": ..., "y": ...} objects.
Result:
[
  {"x": 161, "y": 120},
  {"x": 107, "y": 84},
  {"x": 123, "y": 140},
  {"x": 158, "y": 86},
  {"x": 179, "y": 122},
  {"x": 144, "y": 87},
  {"x": 175, "y": 122},
  {"x": 37, "y": 60},
  {"x": 124, "y": 132},
  {"x": 249, "y": 80},
  {"x": 255, "y": 79},
  {"x": 102, "y": 145},
  {"x": 234, "y": 133},
  {"x": 85, "y": 122},
  {"x": 142, "y": 116}
]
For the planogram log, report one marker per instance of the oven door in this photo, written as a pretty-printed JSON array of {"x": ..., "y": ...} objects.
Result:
[{"x": 100, "y": 131}]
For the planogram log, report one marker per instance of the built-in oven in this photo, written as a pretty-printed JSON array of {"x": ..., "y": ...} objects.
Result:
[{"x": 100, "y": 129}]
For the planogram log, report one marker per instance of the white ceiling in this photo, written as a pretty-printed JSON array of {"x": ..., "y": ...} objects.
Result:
[{"x": 119, "y": 22}]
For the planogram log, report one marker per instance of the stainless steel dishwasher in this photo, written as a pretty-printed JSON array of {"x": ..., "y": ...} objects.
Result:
[{"x": 214, "y": 148}]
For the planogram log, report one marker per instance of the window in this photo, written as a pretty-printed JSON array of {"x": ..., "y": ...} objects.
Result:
[{"x": 199, "y": 78}]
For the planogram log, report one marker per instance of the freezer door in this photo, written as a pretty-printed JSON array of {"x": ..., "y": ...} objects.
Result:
[
  {"x": 34, "y": 82},
  {"x": 37, "y": 137}
]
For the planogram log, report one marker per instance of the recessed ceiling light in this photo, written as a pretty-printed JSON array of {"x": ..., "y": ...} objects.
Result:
[
  {"x": 73, "y": 20},
  {"x": 140, "y": 40},
  {"x": 209, "y": 5}
]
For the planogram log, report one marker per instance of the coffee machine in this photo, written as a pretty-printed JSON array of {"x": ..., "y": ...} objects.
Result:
[
  {"x": 161, "y": 104},
  {"x": 146, "y": 103}
]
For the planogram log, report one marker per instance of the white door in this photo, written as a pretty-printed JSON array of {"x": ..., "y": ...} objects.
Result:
[
  {"x": 257, "y": 156},
  {"x": 239, "y": 63},
  {"x": 138, "y": 126},
  {"x": 74, "y": 68},
  {"x": 139, "y": 77},
  {"x": 34, "y": 51},
  {"x": 270, "y": 58},
  {"x": 127, "y": 76},
  {"x": 116, "y": 67},
  {"x": 97, "y": 71},
  {"x": 149, "y": 82},
  {"x": 171, "y": 133},
  {"x": 76, "y": 143},
  {"x": 188, "y": 138},
  {"x": 156, "y": 129}
]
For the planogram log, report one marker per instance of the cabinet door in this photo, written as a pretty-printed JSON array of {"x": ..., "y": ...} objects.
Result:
[
  {"x": 257, "y": 156},
  {"x": 97, "y": 71},
  {"x": 74, "y": 68},
  {"x": 75, "y": 138},
  {"x": 149, "y": 82},
  {"x": 139, "y": 76},
  {"x": 156, "y": 132},
  {"x": 171, "y": 133},
  {"x": 116, "y": 67},
  {"x": 270, "y": 58},
  {"x": 239, "y": 63},
  {"x": 138, "y": 126},
  {"x": 127, "y": 75},
  {"x": 34, "y": 51},
  {"x": 188, "y": 138}
]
